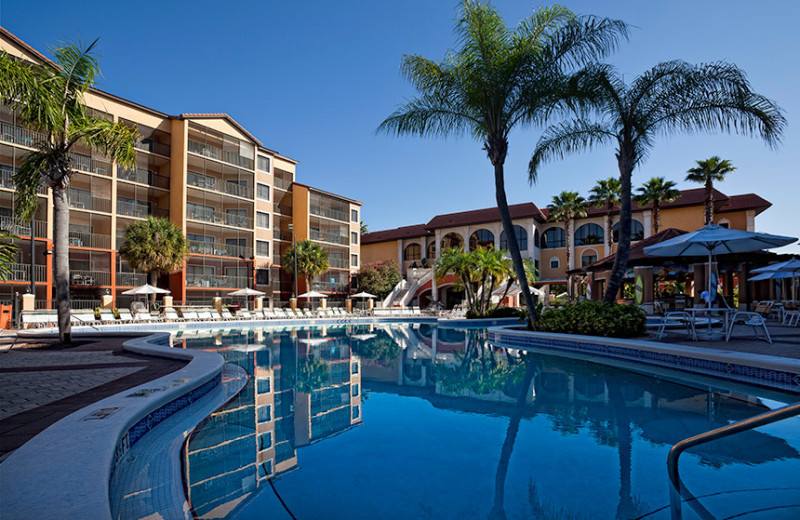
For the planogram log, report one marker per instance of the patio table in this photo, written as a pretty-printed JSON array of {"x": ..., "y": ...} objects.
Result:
[{"x": 725, "y": 313}]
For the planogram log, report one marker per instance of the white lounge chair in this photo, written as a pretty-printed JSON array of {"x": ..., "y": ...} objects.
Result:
[{"x": 750, "y": 319}]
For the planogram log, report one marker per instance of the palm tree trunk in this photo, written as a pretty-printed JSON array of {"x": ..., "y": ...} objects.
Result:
[
  {"x": 609, "y": 239},
  {"x": 153, "y": 282},
  {"x": 625, "y": 160},
  {"x": 513, "y": 246},
  {"x": 709, "y": 202},
  {"x": 657, "y": 216},
  {"x": 61, "y": 261}
]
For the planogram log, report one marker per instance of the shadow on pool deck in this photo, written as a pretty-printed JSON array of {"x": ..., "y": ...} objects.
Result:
[
  {"x": 41, "y": 385},
  {"x": 785, "y": 341}
]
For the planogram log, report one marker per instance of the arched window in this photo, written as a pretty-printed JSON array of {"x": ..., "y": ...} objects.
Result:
[
  {"x": 554, "y": 263},
  {"x": 588, "y": 257},
  {"x": 432, "y": 249},
  {"x": 522, "y": 239},
  {"x": 637, "y": 231},
  {"x": 554, "y": 237},
  {"x": 723, "y": 222},
  {"x": 481, "y": 238},
  {"x": 412, "y": 252},
  {"x": 536, "y": 237},
  {"x": 588, "y": 234},
  {"x": 452, "y": 240}
]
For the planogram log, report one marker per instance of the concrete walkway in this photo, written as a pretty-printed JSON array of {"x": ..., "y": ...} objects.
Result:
[
  {"x": 785, "y": 341},
  {"x": 40, "y": 385}
]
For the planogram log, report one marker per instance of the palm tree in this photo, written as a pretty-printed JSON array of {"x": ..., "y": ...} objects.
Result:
[
  {"x": 8, "y": 254},
  {"x": 606, "y": 194},
  {"x": 706, "y": 172},
  {"x": 49, "y": 98},
  {"x": 364, "y": 227},
  {"x": 564, "y": 208},
  {"x": 672, "y": 97},
  {"x": 656, "y": 191},
  {"x": 312, "y": 261},
  {"x": 155, "y": 246},
  {"x": 499, "y": 79}
]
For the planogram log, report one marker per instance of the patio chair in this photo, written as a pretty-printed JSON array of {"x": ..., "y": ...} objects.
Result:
[
  {"x": 125, "y": 316},
  {"x": 107, "y": 316},
  {"x": 244, "y": 314},
  {"x": 791, "y": 318},
  {"x": 679, "y": 318},
  {"x": 763, "y": 308},
  {"x": 204, "y": 314},
  {"x": 79, "y": 317},
  {"x": 750, "y": 319},
  {"x": 269, "y": 314},
  {"x": 226, "y": 314},
  {"x": 170, "y": 314},
  {"x": 189, "y": 314}
]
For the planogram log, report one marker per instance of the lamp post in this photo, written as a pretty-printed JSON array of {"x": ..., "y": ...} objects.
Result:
[{"x": 294, "y": 255}]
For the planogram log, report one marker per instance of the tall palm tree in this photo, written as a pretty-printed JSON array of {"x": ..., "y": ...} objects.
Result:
[
  {"x": 656, "y": 191},
  {"x": 8, "y": 254},
  {"x": 312, "y": 261},
  {"x": 672, "y": 97},
  {"x": 606, "y": 194},
  {"x": 706, "y": 172},
  {"x": 155, "y": 246},
  {"x": 49, "y": 98},
  {"x": 499, "y": 79},
  {"x": 563, "y": 208}
]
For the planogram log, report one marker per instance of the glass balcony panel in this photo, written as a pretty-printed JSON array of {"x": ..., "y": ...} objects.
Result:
[
  {"x": 21, "y": 229},
  {"x": 143, "y": 176},
  {"x": 218, "y": 280},
  {"x": 17, "y": 134},
  {"x": 88, "y": 164},
  {"x": 89, "y": 278},
  {"x": 87, "y": 239},
  {"x": 205, "y": 214},
  {"x": 219, "y": 249},
  {"x": 131, "y": 279},
  {"x": 83, "y": 199}
]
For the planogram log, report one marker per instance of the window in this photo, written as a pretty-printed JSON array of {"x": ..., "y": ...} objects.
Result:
[
  {"x": 236, "y": 217},
  {"x": 723, "y": 222},
  {"x": 356, "y": 412},
  {"x": 553, "y": 238},
  {"x": 262, "y": 191},
  {"x": 452, "y": 240},
  {"x": 201, "y": 180},
  {"x": 412, "y": 252},
  {"x": 588, "y": 234},
  {"x": 262, "y": 276},
  {"x": 637, "y": 231},
  {"x": 522, "y": 239},
  {"x": 354, "y": 367},
  {"x": 554, "y": 263},
  {"x": 262, "y": 248},
  {"x": 353, "y": 215},
  {"x": 262, "y": 219},
  {"x": 265, "y": 441},
  {"x": 264, "y": 469},
  {"x": 353, "y": 238},
  {"x": 355, "y": 390},
  {"x": 353, "y": 260},
  {"x": 482, "y": 238},
  {"x": 432, "y": 250},
  {"x": 263, "y": 163},
  {"x": 263, "y": 385},
  {"x": 588, "y": 258},
  {"x": 264, "y": 413}
]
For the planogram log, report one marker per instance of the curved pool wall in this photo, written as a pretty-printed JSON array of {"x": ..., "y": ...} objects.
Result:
[
  {"x": 65, "y": 471},
  {"x": 752, "y": 369}
]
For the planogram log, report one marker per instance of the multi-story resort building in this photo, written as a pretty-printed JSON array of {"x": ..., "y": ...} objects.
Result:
[
  {"x": 235, "y": 199},
  {"x": 540, "y": 239}
]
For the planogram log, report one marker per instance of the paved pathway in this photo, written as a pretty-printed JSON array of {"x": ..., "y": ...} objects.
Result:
[
  {"x": 40, "y": 386},
  {"x": 785, "y": 341}
]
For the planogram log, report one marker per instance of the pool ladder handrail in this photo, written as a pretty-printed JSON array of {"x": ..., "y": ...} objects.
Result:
[{"x": 725, "y": 431}]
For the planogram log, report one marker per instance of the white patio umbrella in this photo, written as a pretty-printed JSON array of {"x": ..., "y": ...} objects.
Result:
[
  {"x": 363, "y": 294},
  {"x": 716, "y": 240},
  {"x": 145, "y": 290},
  {"x": 312, "y": 294},
  {"x": 247, "y": 292}
]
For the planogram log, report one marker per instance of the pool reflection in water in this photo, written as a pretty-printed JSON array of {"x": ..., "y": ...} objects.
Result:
[{"x": 407, "y": 421}]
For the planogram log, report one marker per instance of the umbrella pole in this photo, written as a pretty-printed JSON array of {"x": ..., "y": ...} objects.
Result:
[{"x": 708, "y": 316}]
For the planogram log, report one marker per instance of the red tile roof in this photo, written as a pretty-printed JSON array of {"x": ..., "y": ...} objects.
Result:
[
  {"x": 417, "y": 230},
  {"x": 744, "y": 202},
  {"x": 480, "y": 216},
  {"x": 637, "y": 249}
]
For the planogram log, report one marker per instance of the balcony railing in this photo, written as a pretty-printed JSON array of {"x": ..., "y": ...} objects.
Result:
[
  {"x": 143, "y": 176},
  {"x": 330, "y": 287},
  {"x": 214, "y": 152},
  {"x": 89, "y": 278},
  {"x": 139, "y": 209},
  {"x": 22, "y": 273},
  {"x": 219, "y": 249},
  {"x": 82, "y": 199},
  {"x": 11, "y": 133},
  {"x": 18, "y": 228},
  {"x": 220, "y": 280},
  {"x": 131, "y": 279},
  {"x": 331, "y": 213},
  {"x": 87, "y": 164},
  {"x": 330, "y": 237},
  {"x": 84, "y": 239},
  {"x": 281, "y": 184},
  {"x": 338, "y": 263},
  {"x": 277, "y": 234},
  {"x": 148, "y": 145},
  {"x": 217, "y": 217},
  {"x": 7, "y": 180},
  {"x": 211, "y": 183}
]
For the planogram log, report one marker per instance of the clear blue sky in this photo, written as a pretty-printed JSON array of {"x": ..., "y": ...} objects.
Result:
[{"x": 313, "y": 80}]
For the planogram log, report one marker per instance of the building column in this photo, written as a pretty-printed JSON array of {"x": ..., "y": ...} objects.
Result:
[
  {"x": 571, "y": 246},
  {"x": 648, "y": 223},
  {"x": 751, "y": 220},
  {"x": 400, "y": 256}
]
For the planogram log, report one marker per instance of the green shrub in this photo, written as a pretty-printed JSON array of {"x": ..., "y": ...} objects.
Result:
[{"x": 592, "y": 318}]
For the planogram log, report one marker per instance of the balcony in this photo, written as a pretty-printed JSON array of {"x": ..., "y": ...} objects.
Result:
[
  {"x": 89, "y": 278},
  {"x": 215, "y": 281},
  {"x": 214, "y": 152},
  {"x": 131, "y": 279},
  {"x": 277, "y": 234},
  {"x": 212, "y": 183},
  {"x": 20, "y": 229},
  {"x": 219, "y": 249},
  {"x": 7, "y": 180},
  {"x": 11, "y": 133},
  {"x": 83, "y": 199},
  {"x": 281, "y": 183},
  {"x": 22, "y": 273},
  {"x": 330, "y": 287},
  {"x": 143, "y": 176},
  {"x": 217, "y": 217},
  {"x": 85, "y": 239},
  {"x": 139, "y": 209},
  {"x": 87, "y": 164},
  {"x": 338, "y": 263},
  {"x": 330, "y": 238},
  {"x": 331, "y": 213},
  {"x": 149, "y": 145}
]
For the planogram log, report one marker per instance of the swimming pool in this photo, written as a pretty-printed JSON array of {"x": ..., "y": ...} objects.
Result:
[{"x": 411, "y": 421}]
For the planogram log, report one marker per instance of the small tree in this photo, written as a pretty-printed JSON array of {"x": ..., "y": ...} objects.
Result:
[
  {"x": 155, "y": 246},
  {"x": 379, "y": 278},
  {"x": 311, "y": 261},
  {"x": 706, "y": 172},
  {"x": 656, "y": 191}
]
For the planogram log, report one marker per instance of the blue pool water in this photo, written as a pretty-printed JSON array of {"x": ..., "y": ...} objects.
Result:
[{"x": 407, "y": 421}]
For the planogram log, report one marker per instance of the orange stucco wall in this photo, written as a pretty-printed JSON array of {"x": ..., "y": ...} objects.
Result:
[{"x": 379, "y": 252}]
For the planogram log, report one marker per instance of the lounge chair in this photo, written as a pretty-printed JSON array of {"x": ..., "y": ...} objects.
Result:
[
  {"x": 677, "y": 318},
  {"x": 144, "y": 316},
  {"x": 226, "y": 314},
  {"x": 125, "y": 316},
  {"x": 107, "y": 316},
  {"x": 38, "y": 319},
  {"x": 205, "y": 314},
  {"x": 189, "y": 314},
  {"x": 750, "y": 319},
  {"x": 80, "y": 317},
  {"x": 269, "y": 314},
  {"x": 170, "y": 314},
  {"x": 244, "y": 314}
]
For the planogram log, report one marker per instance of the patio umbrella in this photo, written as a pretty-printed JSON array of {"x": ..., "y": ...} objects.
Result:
[
  {"x": 363, "y": 294},
  {"x": 144, "y": 290},
  {"x": 247, "y": 292},
  {"x": 312, "y": 294},
  {"x": 716, "y": 240}
]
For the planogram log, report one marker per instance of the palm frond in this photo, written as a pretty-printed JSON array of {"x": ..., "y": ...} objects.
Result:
[
  {"x": 28, "y": 89},
  {"x": 431, "y": 115},
  {"x": 566, "y": 138},
  {"x": 8, "y": 253},
  {"x": 27, "y": 180},
  {"x": 115, "y": 140}
]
